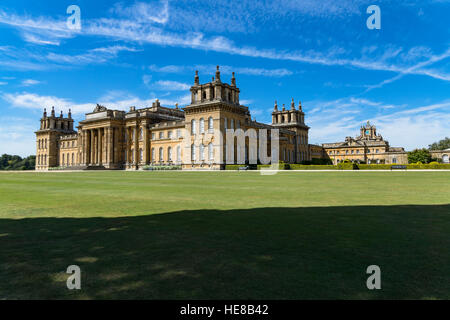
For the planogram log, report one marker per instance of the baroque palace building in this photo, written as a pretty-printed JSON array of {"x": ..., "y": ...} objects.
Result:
[
  {"x": 368, "y": 148},
  {"x": 193, "y": 137}
]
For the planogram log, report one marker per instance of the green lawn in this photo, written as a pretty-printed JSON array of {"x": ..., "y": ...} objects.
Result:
[{"x": 225, "y": 235}]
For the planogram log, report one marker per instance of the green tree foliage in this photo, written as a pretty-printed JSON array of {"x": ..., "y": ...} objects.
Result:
[
  {"x": 440, "y": 145},
  {"x": 8, "y": 162},
  {"x": 419, "y": 155}
]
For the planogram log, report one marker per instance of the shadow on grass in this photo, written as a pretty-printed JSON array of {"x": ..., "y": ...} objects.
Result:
[{"x": 263, "y": 253}]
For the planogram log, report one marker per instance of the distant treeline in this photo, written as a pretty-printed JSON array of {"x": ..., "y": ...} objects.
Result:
[{"x": 8, "y": 162}]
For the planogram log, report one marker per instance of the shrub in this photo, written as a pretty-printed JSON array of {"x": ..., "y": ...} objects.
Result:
[
  {"x": 347, "y": 166},
  {"x": 374, "y": 166},
  {"x": 312, "y": 167}
]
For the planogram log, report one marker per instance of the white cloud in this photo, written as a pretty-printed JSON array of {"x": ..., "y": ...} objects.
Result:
[
  {"x": 134, "y": 28},
  {"x": 2, "y": 83},
  {"x": 94, "y": 56},
  {"x": 171, "y": 85},
  {"x": 402, "y": 126},
  {"x": 30, "y": 82},
  {"x": 224, "y": 69},
  {"x": 17, "y": 136}
]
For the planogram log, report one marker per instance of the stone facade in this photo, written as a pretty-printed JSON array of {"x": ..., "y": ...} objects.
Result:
[
  {"x": 193, "y": 137},
  {"x": 442, "y": 155},
  {"x": 368, "y": 148}
]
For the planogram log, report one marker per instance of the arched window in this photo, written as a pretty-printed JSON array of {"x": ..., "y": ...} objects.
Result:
[
  {"x": 193, "y": 153},
  {"x": 178, "y": 154},
  {"x": 225, "y": 123},
  {"x": 161, "y": 154},
  {"x": 73, "y": 158},
  {"x": 45, "y": 159},
  {"x": 282, "y": 119},
  {"x": 202, "y": 125},
  {"x": 229, "y": 96},
  {"x": 210, "y": 151},
  {"x": 210, "y": 124},
  {"x": 153, "y": 154},
  {"x": 445, "y": 158},
  {"x": 193, "y": 127},
  {"x": 141, "y": 155},
  {"x": 169, "y": 154},
  {"x": 202, "y": 152},
  {"x": 63, "y": 159},
  {"x": 232, "y": 124},
  {"x": 141, "y": 134},
  {"x": 204, "y": 95}
]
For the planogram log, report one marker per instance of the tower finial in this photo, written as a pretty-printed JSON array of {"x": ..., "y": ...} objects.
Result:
[
  {"x": 233, "y": 80},
  {"x": 53, "y": 111},
  {"x": 45, "y": 112},
  {"x": 61, "y": 116},
  {"x": 292, "y": 104},
  {"x": 70, "y": 114},
  {"x": 300, "y": 105},
  {"x": 275, "y": 108},
  {"x": 217, "y": 74},
  {"x": 197, "y": 79},
  {"x": 284, "y": 109}
]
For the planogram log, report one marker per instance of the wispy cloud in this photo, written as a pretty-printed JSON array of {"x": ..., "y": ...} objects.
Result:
[
  {"x": 132, "y": 28},
  {"x": 402, "y": 126},
  {"x": 30, "y": 82},
  {"x": 169, "y": 85},
  {"x": 210, "y": 69},
  {"x": 112, "y": 100}
]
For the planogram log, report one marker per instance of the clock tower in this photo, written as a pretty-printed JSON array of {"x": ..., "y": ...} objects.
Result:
[{"x": 368, "y": 132}]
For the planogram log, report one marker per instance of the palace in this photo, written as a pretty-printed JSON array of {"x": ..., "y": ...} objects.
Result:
[
  {"x": 368, "y": 148},
  {"x": 193, "y": 137}
]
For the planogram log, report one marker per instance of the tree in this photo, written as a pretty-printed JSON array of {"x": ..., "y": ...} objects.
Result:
[
  {"x": 419, "y": 155},
  {"x": 440, "y": 145},
  {"x": 9, "y": 162}
]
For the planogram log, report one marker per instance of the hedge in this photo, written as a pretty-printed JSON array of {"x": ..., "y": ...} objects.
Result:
[
  {"x": 312, "y": 167},
  {"x": 354, "y": 166},
  {"x": 151, "y": 168}
]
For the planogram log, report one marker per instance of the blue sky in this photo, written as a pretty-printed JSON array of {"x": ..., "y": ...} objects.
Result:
[{"x": 129, "y": 53}]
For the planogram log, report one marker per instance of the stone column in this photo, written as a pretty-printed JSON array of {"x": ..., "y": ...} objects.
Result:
[
  {"x": 111, "y": 145},
  {"x": 136, "y": 145},
  {"x": 99, "y": 146},
  {"x": 92, "y": 147},
  {"x": 145, "y": 144}
]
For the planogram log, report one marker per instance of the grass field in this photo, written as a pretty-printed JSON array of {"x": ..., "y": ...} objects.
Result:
[{"x": 225, "y": 235}]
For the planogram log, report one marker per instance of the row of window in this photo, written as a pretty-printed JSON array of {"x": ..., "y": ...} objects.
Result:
[
  {"x": 67, "y": 144},
  {"x": 201, "y": 125},
  {"x": 200, "y": 151},
  {"x": 42, "y": 144},
  {"x": 42, "y": 159},
  {"x": 353, "y": 151}
]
